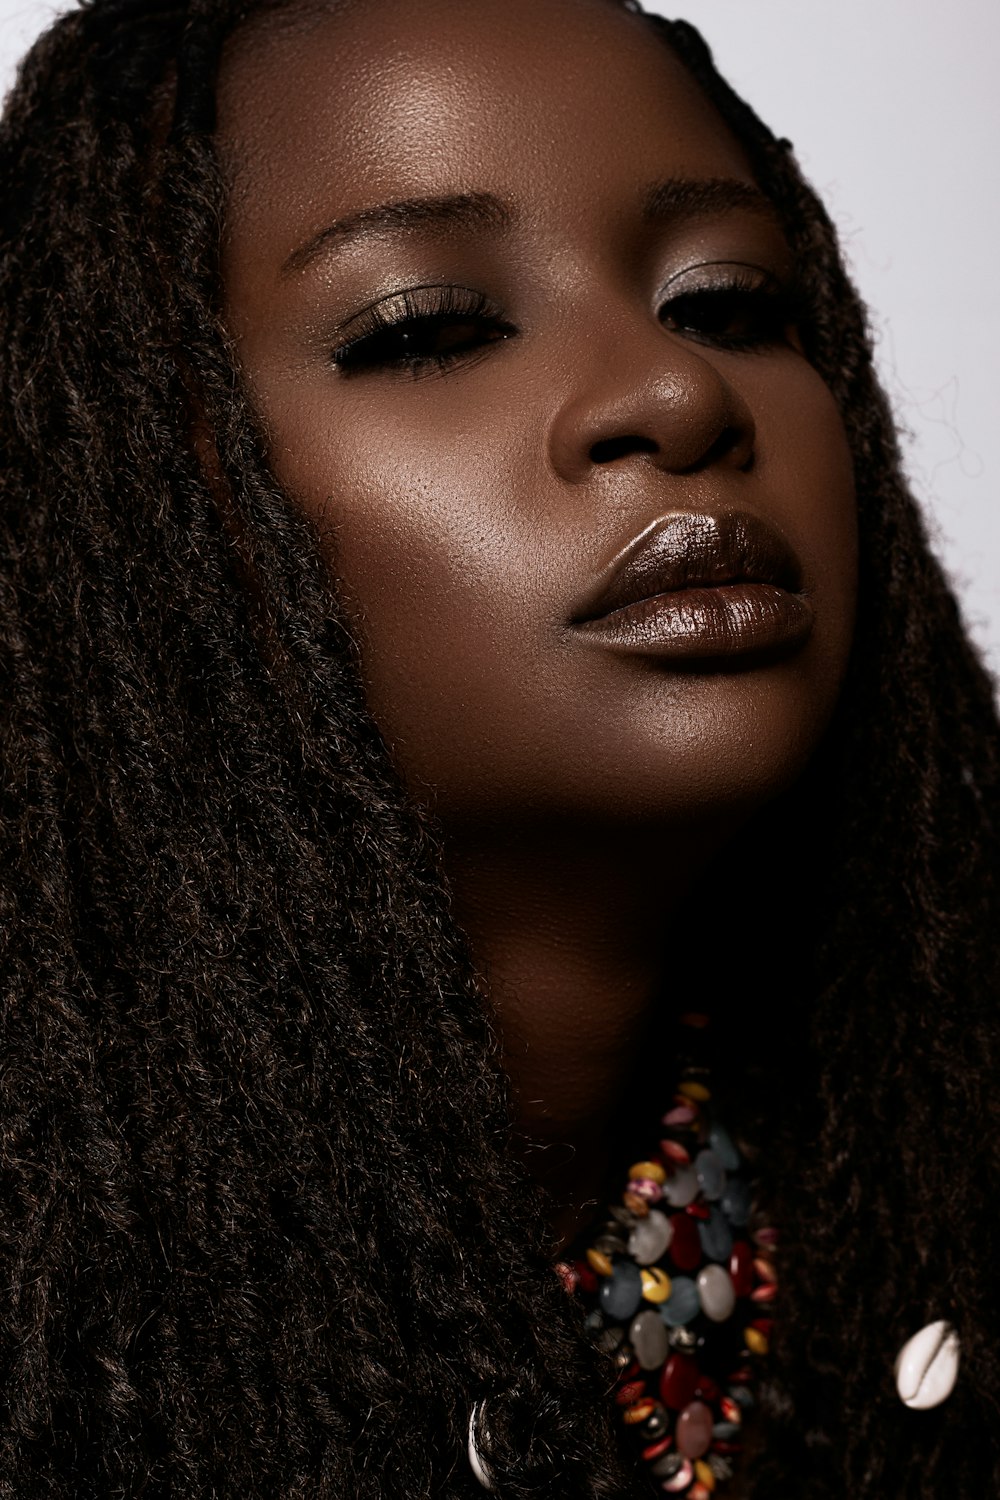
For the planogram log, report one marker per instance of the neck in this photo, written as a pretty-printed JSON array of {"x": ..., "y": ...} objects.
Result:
[{"x": 573, "y": 939}]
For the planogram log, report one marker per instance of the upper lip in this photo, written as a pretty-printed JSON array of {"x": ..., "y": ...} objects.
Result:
[{"x": 685, "y": 549}]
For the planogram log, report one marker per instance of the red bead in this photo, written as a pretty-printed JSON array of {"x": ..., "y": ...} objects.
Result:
[
  {"x": 588, "y": 1280},
  {"x": 764, "y": 1326},
  {"x": 741, "y": 1268},
  {"x": 630, "y": 1392},
  {"x": 657, "y": 1450},
  {"x": 742, "y": 1376},
  {"x": 732, "y": 1411},
  {"x": 679, "y": 1381},
  {"x": 698, "y": 1210},
  {"x": 675, "y": 1153},
  {"x": 721, "y": 1447},
  {"x": 765, "y": 1293},
  {"x": 685, "y": 1247},
  {"x": 707, "y": 1390},
  {"x": 567, "y": 1275},
  {"x": 679, "y": 1116}
]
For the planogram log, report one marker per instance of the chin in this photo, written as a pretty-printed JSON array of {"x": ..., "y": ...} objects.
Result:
[{"x": 705, "y": 746}]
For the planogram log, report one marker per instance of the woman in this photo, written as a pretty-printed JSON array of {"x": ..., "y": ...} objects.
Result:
[{"x": 463, "y": 615}]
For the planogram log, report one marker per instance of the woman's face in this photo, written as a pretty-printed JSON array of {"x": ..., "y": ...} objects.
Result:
[{"x": 508, "y": 302}]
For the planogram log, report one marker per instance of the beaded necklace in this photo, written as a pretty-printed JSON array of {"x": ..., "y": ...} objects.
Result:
[{"x": 679, "y": 1282}]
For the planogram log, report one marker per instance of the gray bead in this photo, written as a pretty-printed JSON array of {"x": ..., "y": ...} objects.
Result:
[
  {"x": 656, "y": 1425},
  {"x": 726, "y": 1431},
  {"x": 594, "y": 1321},
  {"x": 711, "y": 1175},
  {"x": 682, "y": 1188},
  {"x": 735, "y": 1202},
  {"x": 650, "y": 1238},
  {"x": 610, "y": 1244},
  {"x": 682, "y": 1340},
  {"x": 742, "y": 1395},
  {"x": 621, "y": 1292},
  {"x": 623, "y": 1217},
  {"x": 667, "y": 1466},
  {"x": 721, "y": 1143},
  {"x": 610, "y": 1340},
  {"x": 716, "y": 1236},
  {"x": 715, "y": 1289},
  {"x": 649, "y": 1339},
  {"x": 682, "y": 1305}
]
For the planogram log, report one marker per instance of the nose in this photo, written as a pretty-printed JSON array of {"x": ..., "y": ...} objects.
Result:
[{"x": 658, "y": 399}]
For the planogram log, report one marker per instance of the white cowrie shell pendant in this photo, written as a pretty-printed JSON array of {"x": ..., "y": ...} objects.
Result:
[
  {"x": 927, "y": 1366},
  {"x": 478, "y": 1435}
]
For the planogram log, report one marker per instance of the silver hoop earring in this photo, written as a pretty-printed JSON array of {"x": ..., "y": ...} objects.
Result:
[{"x": 479, "y": 1439}]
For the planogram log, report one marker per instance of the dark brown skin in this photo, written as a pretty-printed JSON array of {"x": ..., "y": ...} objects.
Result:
[{"x": 469, "y": 509}]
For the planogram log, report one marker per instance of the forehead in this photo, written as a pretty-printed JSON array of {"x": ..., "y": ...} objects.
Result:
[{"x": 550, "y": 104}]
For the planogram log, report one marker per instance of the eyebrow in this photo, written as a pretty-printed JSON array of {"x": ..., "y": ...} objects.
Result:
[
  {"x": 673, "y": 198},
  {"x": 698, "y": 197},
  {"x": 467, "y": 211}
]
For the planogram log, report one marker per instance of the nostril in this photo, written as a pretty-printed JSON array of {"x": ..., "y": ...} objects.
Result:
[
  {"x": 608, "y": 449},
  {"x": 729, "y": 444}
]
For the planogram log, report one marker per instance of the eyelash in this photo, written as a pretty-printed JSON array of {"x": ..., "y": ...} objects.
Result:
[
  {"x": 418, "y": 316},
  {"x": 767, "y": 309},
  {"x": 397, "y": 335}
]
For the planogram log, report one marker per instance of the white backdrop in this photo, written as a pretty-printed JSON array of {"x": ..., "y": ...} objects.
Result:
[{"x": 895, "y": 115}]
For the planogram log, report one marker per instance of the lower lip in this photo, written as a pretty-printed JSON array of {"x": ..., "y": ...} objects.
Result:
[{"x": 692, "y": 624}]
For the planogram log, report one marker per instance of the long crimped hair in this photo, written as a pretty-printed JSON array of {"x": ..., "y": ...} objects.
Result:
[{"x": 262, "y": 1232}]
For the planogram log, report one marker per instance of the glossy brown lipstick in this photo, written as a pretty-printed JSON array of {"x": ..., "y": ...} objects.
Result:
[{"x": 698, "y": 586}]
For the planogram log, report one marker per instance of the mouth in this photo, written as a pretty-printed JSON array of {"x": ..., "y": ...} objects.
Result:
[{"x": 696, "y": 586}]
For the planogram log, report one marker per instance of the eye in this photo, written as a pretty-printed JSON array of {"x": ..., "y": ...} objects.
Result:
[
  {"x": 731, "y": 306},
  {"x": 420, "y": 330}
]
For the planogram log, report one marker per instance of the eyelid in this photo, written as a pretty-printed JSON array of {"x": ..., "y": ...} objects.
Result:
[
  {"x": 743, "y": 268},
  {"x": 385, "y": 337},
  {"x": 737, "y": 306},
  {"x": 375, "y": 310}
]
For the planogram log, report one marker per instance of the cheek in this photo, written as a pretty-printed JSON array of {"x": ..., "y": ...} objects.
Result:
[
  {"x": 805, "y": 472},
  {"x": 440, "y": 566}
]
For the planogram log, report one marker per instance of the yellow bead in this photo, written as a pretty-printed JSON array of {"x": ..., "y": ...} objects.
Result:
[
  {"x": 756, "y": 1341},
  {"x": 696, "y": 1091},
  {"x": 651, "y": 1169},
  {"x": 638, "y": 1412},
  {"x": 656, "y": 1285},
  {"x": 705, "y": 1475},
  {"x": 600, "y": 1263}
]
